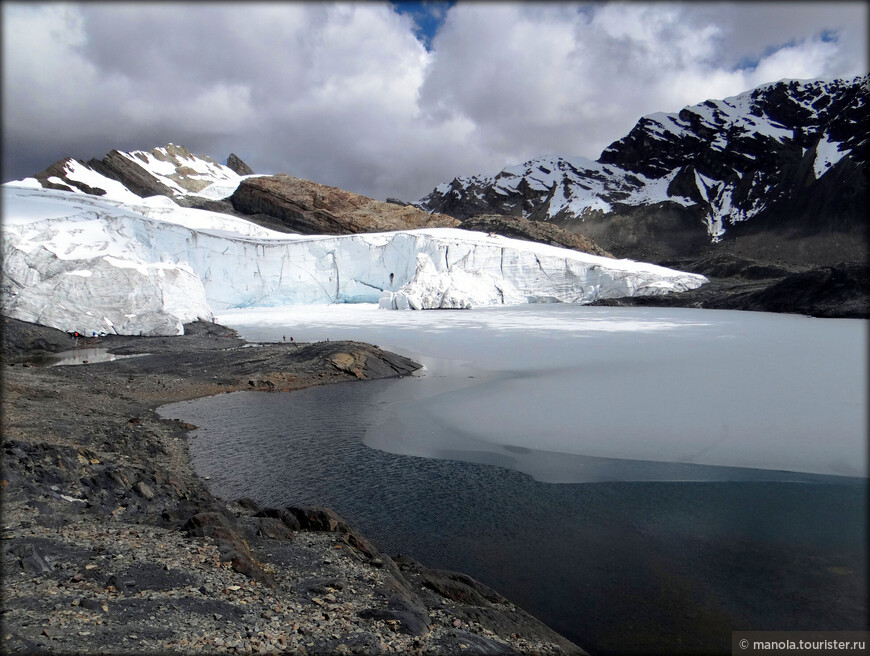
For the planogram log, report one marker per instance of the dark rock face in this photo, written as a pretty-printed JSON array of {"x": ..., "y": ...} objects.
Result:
[
  {"x": 114, "y": 165},
  {"x": 474, "y": 603},
  {"x": 649, "y": 233},
  {"x": 728, "y": 265},
  {"x": 235, "y": 163},
  {"x": 58, "y": 170},
  {"x": 545, "y": 233},
  {"x": 777, "y": 173},
  {"x": 839, "y": 291},
  {"x": 310, "y": 208},
  {"x": 22, "y": 337}
]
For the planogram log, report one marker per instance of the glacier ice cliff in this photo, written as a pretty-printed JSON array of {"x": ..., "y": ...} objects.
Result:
[{"x": 79, "y": 262}]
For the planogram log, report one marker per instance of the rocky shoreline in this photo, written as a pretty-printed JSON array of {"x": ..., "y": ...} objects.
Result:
[
  {"x": 840, "y": 291},
  {"x": 111, "y": 544}
]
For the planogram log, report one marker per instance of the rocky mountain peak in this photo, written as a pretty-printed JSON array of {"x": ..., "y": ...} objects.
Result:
[
  {"x": 170, "y": 170},
  {"x": 768, "y": 167},
  {"x": 235, "y": 163}
]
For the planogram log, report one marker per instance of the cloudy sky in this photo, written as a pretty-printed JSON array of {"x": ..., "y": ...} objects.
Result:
[{"x": 389, "y": 99}]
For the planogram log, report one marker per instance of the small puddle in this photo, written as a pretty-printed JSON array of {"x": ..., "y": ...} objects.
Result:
[{"x": 84, "y": 356}]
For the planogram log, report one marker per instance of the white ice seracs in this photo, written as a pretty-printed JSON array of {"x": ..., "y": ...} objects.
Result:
[
  {"x": 431, "y": 289},
  {"x": 77, "y": 262},
  {"x": 458, "y": 270}
]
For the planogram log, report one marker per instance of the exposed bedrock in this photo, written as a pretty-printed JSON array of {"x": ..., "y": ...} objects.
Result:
[{"x": 311, "y": 208}]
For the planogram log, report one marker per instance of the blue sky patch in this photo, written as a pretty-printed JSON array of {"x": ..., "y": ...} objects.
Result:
[
  {"x": 750, "y": 63},
  {"x": 428, "y": 17}
]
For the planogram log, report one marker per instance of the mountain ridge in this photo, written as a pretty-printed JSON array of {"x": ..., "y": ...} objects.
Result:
[
  {"x": 170, "y": 170},
  {"x": 277, "y": 202},
  {"x": 785, "y": 161}
]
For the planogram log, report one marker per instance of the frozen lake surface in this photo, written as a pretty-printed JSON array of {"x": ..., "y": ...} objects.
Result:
[
  {"x": 678, "y": 552},
  {"x": 562, "y": 391}
]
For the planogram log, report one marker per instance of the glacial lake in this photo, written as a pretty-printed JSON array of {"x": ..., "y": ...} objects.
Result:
[{"x": 641, "y": 479}]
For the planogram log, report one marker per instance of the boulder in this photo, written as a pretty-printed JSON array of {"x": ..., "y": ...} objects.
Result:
[
  {"x": 232, "y": 545},
  {"x": 460, "y": 587},
  {"x": 284, "y": 516},
  {"x": 409, "y": 623}
]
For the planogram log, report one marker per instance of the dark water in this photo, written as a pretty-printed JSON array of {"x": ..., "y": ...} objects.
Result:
[
  {"x": 622, "y": 567},
  {"x": 77, "y": 356}
]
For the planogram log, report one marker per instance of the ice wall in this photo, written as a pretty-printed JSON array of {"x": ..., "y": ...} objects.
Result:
[{"x": 78, "y": 263}]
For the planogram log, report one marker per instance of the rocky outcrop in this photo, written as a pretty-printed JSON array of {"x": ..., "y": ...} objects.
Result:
[
  {"x": 311, "y": 208},
  {"x": 838, "y": 291},
  {"x": 545, "y": 233},
  {"x": 118, "y": 167},
  {"x": 235, "y": 163},
  {"x": 648, "y": 233},
  {"x": 58, "y": 171},
  {"x": 736, "y": 283}
]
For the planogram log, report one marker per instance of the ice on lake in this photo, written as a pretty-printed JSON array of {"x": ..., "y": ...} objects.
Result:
[{"x": 570, "y": 393}]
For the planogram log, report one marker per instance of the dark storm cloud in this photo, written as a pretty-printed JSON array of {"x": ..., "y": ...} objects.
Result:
[{"x": 345, "y": 94}]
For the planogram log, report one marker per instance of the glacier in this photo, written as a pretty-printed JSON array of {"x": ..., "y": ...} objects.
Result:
[{"x": 95, "y": 264}]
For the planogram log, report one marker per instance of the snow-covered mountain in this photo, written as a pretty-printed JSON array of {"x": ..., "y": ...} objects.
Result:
[
  {"x": 77, "y": 261},
  {"x": 171, "y": 171},
  {"x": 787, "y": 158},
  {"x": 279, "y": 202}
]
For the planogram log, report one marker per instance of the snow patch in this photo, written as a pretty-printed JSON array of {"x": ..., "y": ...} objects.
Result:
[
  {"x": 78, "y": 172},
  {"x": 827, "y": 155}
]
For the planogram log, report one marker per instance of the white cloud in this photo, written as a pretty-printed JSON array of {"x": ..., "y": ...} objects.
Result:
[{"x": 345, "y": 94}]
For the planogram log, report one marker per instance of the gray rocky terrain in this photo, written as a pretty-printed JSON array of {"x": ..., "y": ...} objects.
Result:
[
  {"x": 737, "y": 283},
  {"x": 111, "y": 544}
]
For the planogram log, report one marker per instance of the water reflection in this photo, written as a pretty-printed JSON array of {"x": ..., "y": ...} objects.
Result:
[
  {"x": 91, "y": 355},
  {"x": 682, "y": 562}
]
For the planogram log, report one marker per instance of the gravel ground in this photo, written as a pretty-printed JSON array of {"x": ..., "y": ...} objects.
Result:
[{"x": 112, "y": 545}]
